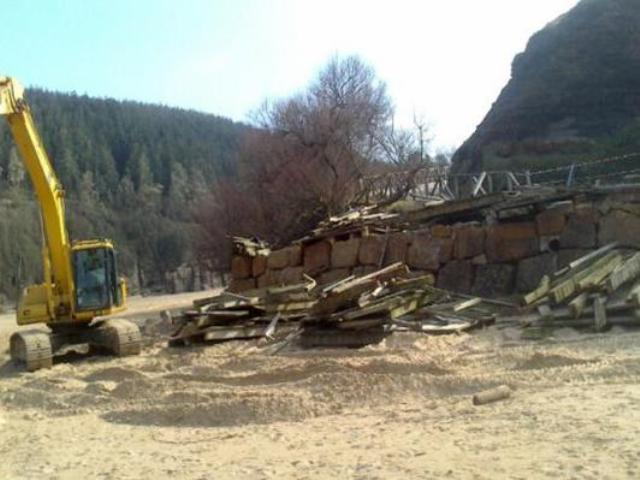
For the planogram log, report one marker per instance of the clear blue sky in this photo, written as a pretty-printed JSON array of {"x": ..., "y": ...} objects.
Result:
[{"x": 446, "y": 60}]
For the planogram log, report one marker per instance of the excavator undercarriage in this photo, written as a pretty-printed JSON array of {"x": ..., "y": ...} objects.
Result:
[{"x": 35, "y": 349}]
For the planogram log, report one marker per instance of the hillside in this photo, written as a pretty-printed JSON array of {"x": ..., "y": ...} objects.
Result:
[
  {"x": 131, "y": 171},
  {"x": 574, "y": 94}
]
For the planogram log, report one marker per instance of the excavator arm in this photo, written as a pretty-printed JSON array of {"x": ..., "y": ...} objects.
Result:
[{"x": 56, "y": 293}]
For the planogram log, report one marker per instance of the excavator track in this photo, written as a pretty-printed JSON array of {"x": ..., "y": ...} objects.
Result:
[
  {"x": 35, "y": 349},
  {"x": 32, "y": 349},
  {"x": 120, "y": 337}
]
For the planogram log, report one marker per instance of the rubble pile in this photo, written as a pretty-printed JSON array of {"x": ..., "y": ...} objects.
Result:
[
  {"x": 353, "y": 311},
  {"x": 597, "y": 290}
]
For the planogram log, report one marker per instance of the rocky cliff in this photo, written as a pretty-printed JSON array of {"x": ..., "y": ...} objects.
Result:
[{"x": 574, "y": 94}]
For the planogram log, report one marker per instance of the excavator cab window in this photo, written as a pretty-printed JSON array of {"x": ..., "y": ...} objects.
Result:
[{"x": 95, "y": 278}]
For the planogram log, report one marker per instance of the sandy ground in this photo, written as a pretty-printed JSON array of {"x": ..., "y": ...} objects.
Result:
[{"x": 401, "y": 409}]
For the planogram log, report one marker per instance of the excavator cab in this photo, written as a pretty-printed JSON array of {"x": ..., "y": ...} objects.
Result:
[{"x": 99, "y": 290}]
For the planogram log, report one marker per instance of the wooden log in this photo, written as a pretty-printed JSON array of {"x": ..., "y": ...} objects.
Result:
[{"x": 488, "y": 396}]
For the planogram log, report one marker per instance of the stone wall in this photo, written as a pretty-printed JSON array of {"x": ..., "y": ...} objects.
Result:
[{"x": 489, "y": 259}]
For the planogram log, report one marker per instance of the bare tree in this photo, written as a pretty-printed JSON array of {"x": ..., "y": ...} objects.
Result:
[{"x": 309, "y": 153}]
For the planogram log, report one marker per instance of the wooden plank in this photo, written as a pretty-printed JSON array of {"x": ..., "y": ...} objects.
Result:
[
  {"x": 467, "y": 304},
  {"x": 599, "y": 313},
  {"x": 626, "y": 272},
  {"x": 578, "y": 304},
  {"x": 236, "y": 333},
  {"x": 396, "y": 269},
  {"x": 595, "y": 277},
  {"x": 568, "y": 287},
  {"x": 289, "y": 307},
  {"x": 593, "y": 255},
  {"x": 541, "y": 291}
]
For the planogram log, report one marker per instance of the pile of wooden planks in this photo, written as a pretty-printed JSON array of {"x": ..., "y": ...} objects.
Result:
[
  {"x": 597, "y": 290},
  {"x": 352, "y": 312},
  {"x": 360, "y": 221},
  {"x": 250, "y": 247}
]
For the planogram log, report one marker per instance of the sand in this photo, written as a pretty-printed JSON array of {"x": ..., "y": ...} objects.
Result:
[{"x": 401, "y": 409}]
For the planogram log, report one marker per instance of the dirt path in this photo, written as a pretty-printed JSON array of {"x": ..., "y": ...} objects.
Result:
[{"x": 401, "y": 409}]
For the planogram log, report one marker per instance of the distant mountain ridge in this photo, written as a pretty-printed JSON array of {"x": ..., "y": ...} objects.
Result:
[{"x": 574, "y": 93}]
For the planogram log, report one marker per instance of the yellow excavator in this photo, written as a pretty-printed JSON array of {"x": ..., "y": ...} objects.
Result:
[{"x": 81, "y": 282}]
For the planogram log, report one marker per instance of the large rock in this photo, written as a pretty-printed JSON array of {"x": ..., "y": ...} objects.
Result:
[
  {"x": 619, "y": 226},
  {"x": 531, "y": 270},
  {"x": 259, "y": 265},
  {"x": 511, "y": 241},
  {"x": 441, "y": 231},
  {"x": 456, "y": 276},
  {"x": 427, "y": 252},
  {"x": 269, "y": 278},
  {"x": 397, "y": 248},
  {"x": 242, "y": 285},
  {"x": 291, "y": 275},
  {"x": 345, "y": 254},
  {"x": 371, "y": 250},
  {"x": 278, "y": 259},
  {"x": 290, "y": 256},
  {"x": 551, "y": 222},
  {"x": 493, "y": 280},
  {"x": 317, "y": 257},
  {"x": 241, "y": 267},
  {"x": 469, "y": 241},
  {"x": 295, "y": 255},
  {"x": 580, "y": 231}
]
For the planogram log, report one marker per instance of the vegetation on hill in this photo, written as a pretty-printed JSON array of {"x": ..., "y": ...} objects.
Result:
[
  {"x": 132, "y": 172},
  {"x": 574, "y": 94}
]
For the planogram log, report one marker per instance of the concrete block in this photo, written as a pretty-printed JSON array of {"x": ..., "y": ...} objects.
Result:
[
  {"x": 291, "y": 275},
  {"x": 241, "y": 267},
  {"x": 242, "y": 285},
  {"x": 371, "y": 250},
  {"x": 580, "y": 231},
  {"x": 456, "y": 276},
  {"x": 259, "y": 265},
  {"x": 397, "y": 248},
  {"x": 619, "y": 226},
  {"x": 469, "y": 241},
  {"x": 551, "y": 222},
  {"x": 345, "y": 254},
  {"x": 531, "y": 270},
  {"x": 424, "y": 252},
  {"x": 278, "y": 259},
  {"x": 317, "y": 257},
  {"x": 511, "y": 241},
  {"x": 493, "y": 280}
]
